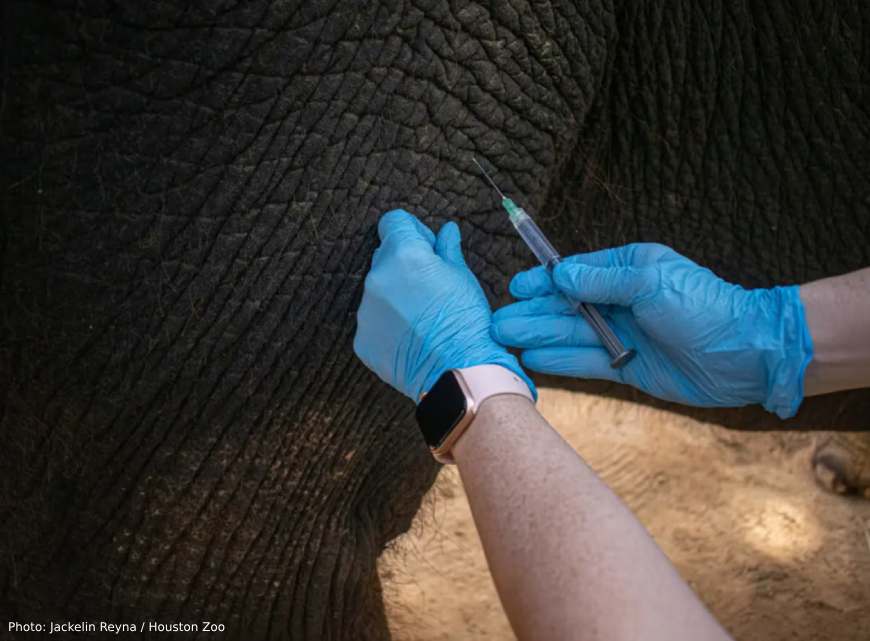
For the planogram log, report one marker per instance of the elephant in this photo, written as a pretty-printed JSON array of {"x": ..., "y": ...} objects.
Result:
[{"x": 190, "y": 199}]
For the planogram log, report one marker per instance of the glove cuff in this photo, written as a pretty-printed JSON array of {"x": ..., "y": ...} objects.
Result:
[{"x": 785, "y": 382}]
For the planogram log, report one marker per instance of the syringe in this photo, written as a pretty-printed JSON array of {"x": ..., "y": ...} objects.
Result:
[{"x": 549, "y": 258}]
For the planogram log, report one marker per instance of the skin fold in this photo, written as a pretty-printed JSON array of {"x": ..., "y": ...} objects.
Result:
[{"x": 190, "y": 198}]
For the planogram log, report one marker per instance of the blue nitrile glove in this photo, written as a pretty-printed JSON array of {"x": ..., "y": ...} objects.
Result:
[
  {"x": 423, "y": 311},
  {"x": 699, "y": 340}
]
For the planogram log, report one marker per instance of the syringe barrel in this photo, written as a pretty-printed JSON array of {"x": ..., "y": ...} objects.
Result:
[
  {"x": 537, "y": 242},
  {"x": 549, "y": 258}
]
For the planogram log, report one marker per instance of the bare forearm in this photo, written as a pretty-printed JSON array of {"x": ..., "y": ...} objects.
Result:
[
  {"x": 569, "y": 560},
  {"x": 838, "y": 315}
]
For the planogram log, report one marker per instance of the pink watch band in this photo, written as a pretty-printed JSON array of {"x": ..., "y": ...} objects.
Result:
[{"x": 484, "y": 381}]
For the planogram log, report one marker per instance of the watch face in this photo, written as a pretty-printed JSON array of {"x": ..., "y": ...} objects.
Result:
[{"x": 441, "y": 409}]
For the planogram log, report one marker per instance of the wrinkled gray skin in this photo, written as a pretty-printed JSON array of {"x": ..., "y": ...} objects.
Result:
[{"x": 189, "y": 207}]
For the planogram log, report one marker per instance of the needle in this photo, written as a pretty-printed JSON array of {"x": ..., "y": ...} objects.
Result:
[{"x": 491, "y": 182}]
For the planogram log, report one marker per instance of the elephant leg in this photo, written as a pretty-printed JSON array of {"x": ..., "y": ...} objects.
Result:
[
  {"x": 192, "y": 209},
  {"x": 841, "y": 463}
]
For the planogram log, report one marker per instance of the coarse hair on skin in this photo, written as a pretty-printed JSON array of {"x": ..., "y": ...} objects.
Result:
[{"x": 427, "y": 537}]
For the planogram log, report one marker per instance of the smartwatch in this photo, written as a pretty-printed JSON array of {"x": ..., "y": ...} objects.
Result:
[{"x": 447, "y": 409}]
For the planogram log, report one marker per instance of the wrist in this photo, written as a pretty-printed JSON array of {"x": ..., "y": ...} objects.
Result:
[
  {"x": 493, "y": 412},
  {"x": 836, "y": 311}
]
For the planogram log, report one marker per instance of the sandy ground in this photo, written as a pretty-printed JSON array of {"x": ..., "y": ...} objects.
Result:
[{"x": 739, "y": 513}]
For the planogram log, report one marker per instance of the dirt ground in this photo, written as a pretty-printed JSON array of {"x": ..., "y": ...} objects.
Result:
[{"x": 739, "y": 513}]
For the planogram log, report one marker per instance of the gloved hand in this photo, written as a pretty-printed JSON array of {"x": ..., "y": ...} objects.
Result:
[
  {"x": 423, "y": 311},
  {"x": 699, "y": 340}
]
